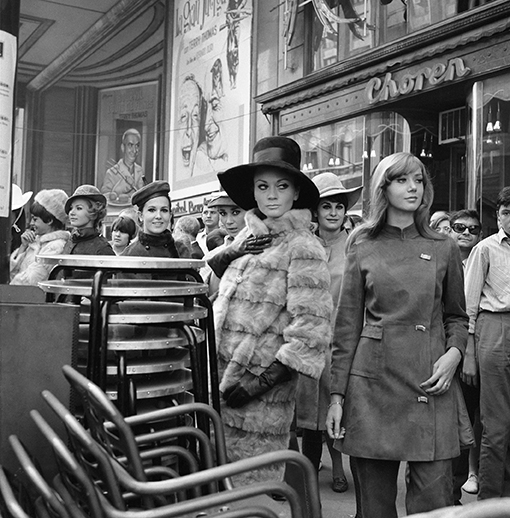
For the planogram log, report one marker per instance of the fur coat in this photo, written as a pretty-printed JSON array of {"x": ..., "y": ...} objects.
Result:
[
  {"x": 274, "y": 305},
  {"x": 24, "y": 267}
]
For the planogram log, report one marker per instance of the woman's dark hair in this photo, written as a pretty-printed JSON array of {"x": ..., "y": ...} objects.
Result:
[
  {"x": 343, "y": 199},
  {"x": 126, "y": 225},
  {"x": 39, "y": 211}
]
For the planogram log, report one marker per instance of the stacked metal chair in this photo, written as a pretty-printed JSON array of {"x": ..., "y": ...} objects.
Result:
[{"x": 118, "y": 467}]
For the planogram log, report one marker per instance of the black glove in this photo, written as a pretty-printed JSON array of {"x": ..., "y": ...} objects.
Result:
[
  {"x": 251, "y": 245},
  {"x": 250, "y": 386}
]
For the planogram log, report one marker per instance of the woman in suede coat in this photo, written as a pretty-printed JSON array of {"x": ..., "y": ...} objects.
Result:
[{"x": 400, "y": 334}]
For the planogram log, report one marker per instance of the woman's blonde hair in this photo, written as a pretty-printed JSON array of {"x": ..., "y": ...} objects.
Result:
[{"x": 388, "y": 169}]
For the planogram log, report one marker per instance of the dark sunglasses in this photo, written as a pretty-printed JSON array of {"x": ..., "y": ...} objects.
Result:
[{"x": 460, "y": 228}]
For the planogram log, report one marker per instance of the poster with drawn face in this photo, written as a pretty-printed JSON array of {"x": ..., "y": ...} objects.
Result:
[{"x": 210, "y": 89}]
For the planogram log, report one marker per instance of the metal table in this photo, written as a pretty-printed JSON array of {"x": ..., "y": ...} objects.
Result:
[{"x": 119, "y": 301}]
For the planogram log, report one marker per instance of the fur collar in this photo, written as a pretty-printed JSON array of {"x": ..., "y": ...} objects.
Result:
[
  {"x": 57, "y": 234},
  {"x": 295, "y": 219}
]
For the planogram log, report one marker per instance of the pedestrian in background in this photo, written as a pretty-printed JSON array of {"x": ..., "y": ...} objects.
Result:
[
  {"x": 154, "y": 212},
  {"x": 467, "y": 233},
  {"x": 314, "y": 396},
  {"x": 46, "y": 236},
  {"x": 18, "y": 220},
  {"x": 488, "y": 307},
  {"x": 400, "y": 333},
  {"x": 86, "y": 210},
  {"x": 123, "y": 232}
]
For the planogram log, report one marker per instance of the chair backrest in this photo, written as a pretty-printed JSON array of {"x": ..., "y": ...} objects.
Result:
[
  {"x": 9, "y": 504},
  {"x": 52, "y": 500},
  {"x": 118, "y": 441},
  {"x": 81, "y": 488},
  {"x": 88, "y": 452}
]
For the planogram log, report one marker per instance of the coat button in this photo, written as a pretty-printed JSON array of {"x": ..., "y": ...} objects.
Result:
[
  {"x": 420, "y": 328},
  {"x": 423, "y": 399},
  {"x": 239, "y": 279},
  {"x": 147, "y": 247}
]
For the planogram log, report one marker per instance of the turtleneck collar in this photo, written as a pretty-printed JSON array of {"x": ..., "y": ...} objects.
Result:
[
  {"x": 409, "y": 232},
  {"x": 81, "y": 234}
]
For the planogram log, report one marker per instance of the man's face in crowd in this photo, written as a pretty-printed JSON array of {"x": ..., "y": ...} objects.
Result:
[
  {"x": 462, "y": 236},
  {"x": 504, "y": 218}
]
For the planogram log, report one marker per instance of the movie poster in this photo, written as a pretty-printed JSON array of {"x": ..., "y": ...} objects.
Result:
[
  {"x": 126, "y": 142},
  {"x": 210, "y": 89}
]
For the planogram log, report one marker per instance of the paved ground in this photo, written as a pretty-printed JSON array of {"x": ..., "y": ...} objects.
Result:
[{"x": 342, "y": 505}]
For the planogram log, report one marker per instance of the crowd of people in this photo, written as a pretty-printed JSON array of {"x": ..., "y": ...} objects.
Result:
[{"x": 388, "y": 337}]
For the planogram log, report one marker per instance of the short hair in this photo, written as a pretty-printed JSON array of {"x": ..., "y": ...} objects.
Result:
[
  {"x": 126, "y": 225},
  {"x": 188, "y": 225},
  {"x": 465, "y": 213},
  {"x": 97, "y": 210},
  {"x": 503, "y": 199},
  {"x": 438, "y": 217},
  {"x": 131, "y": 131},
  {"x": 39, "y": 211}
]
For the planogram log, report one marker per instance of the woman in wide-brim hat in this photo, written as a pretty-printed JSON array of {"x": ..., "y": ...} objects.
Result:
[
  {"x": 313, "y": 396},
  {"x": 272, "y": 313}
]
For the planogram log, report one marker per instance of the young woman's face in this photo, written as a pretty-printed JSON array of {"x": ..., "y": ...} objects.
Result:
[
  {"x": 39, "y": 226},
  {"x": 79, "y": 214},
  {"x": 232, "y": 218},
  {"x": 275, "y": 192},
  {"x": 330, "y": 215},
  {"x": 405, "y": 193},
  {"x": 120, "y": 239},
  {"x": 155, "y": 215}
]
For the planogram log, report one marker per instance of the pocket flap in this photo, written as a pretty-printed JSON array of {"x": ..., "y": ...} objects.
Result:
[{"x": 375, "y": 332}]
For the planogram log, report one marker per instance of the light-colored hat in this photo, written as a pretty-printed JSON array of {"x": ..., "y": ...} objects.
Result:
[
  {"x": 223, "y": 199},
  {"x": 330, "y": 185},
  {"x": 54, "y": 201},
  {"x": 85, "y": 191},
  {"x": 19, "y": 198}
]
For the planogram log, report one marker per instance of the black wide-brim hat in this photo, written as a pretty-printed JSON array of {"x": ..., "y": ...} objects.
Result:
[{"x": 279, "y": 152}]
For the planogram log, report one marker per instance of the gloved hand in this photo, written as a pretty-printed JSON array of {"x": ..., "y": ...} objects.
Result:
[
  {"x": 250, "y": 386},
  {"x": 251, "y": 245}
]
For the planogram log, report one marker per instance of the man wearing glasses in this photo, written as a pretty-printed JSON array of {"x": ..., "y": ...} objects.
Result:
[
  {"x": 487, "y": 283},
  {"x": 466, "y": 231}
]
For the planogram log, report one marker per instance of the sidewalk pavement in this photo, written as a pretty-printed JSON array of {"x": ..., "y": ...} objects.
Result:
[{"x": 343, "y": 505}]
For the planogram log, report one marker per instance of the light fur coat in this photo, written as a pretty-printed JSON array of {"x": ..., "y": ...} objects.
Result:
[
  {"x": 274, "y": 305},
  {"x": 24, "y": 267}
]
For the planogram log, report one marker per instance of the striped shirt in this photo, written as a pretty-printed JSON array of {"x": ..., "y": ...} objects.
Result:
[{"x": 487, "y": 277}]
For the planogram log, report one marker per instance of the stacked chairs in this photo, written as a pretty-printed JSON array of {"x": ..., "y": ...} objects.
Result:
[{"x": 118, "y": 467}]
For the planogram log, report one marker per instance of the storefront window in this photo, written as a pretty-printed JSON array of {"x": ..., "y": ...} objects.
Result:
[
  {"x": 488, "y": 145},
  {"x": 345, "y": 28},
  {"x": 352, "y": 148}
]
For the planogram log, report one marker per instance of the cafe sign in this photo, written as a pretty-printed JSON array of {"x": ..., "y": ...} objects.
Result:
[{"x": 389, "y": 88}]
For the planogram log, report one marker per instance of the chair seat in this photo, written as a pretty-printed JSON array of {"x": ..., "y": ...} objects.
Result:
[
  {"x": 132, "y": 337},
  {"x": 150, "y": 312},
  {"x": 132, "y": 288},
  {"x": 158, "y": 385}
]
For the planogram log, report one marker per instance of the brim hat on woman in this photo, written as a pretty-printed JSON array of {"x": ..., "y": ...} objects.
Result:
[
  {"x": 149, "y": 191},
  {"x": 54, "y": 201},
  {"x": 277, "y": 152},
  {"x": 85, "y": 191},
  {"x": 18, "y": 197},
  {"x": 330, "y": 185}
]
